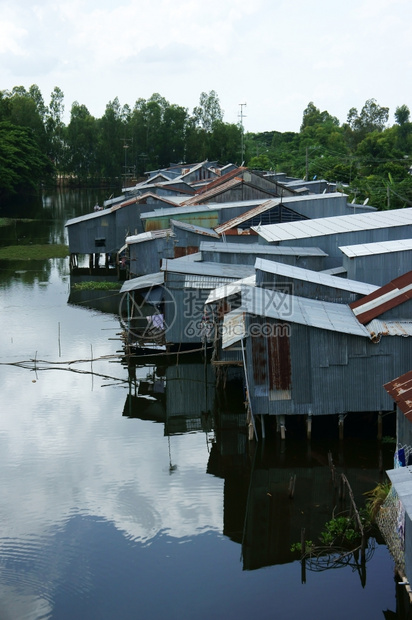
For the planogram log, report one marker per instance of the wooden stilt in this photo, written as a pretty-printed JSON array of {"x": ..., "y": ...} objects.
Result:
[
  {"x": 380, "y": 419},
  {"x": 341, "y": 424},
  {"x": 309, "y": 427},
  {"x": 282, "y": 427}
]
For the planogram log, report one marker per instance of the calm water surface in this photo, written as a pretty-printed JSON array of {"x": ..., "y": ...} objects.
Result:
[{"x": 106, "y": 515}]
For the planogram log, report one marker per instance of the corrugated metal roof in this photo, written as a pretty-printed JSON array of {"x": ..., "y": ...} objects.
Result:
[
  {"x": 389, "y": 296},
  {"x": 292, "y": 309},
  {"x": 259, "y": 248},
  {"x": 204, "y": 282},
  {"x": 317, "y": 277},
  {"x": 88, "y": 216},
  {"x": 169, "y": 200},
  {"x": 382, "y": 247},
  {"x": 222, "y": 179},
  {"x": 207, "y": 269},
  {"x": 150, "y": 279},
  {"x": 149, "y": 236},
  {"x": 196, "y": 256},
  {"x": 334, "y": 225},
  {"x": 400, "y": 390},
  {"x": 230, "y": 289},
  {"x": 200, "y": 230},
  {"x": 378, "y": 328},
  {"x": 209, "y": 192},
  {"x": 234, "y": 222},
  {"x": 335, "y": 271},
  {"x": 203, "y": 208}
]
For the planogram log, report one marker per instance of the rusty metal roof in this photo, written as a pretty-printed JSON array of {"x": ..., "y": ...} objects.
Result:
[
  {"x": 214, "y": 191},
  {"x": 379, "y": 328},
  {"x": 221, "y": 180},
  {"x": 400, "y": 390},
  {"x": 389, "y": 296},
  {"x": 267, "y": 204}
]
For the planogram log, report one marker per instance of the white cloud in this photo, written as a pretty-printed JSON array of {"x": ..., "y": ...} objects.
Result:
[{"x": 264, "y": 53}]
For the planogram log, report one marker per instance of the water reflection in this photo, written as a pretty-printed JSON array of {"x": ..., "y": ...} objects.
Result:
[{"x": 133, "y": 490}]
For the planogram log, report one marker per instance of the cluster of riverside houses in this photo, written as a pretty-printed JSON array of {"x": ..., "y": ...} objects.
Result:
[{"x": 308, "y": 295}]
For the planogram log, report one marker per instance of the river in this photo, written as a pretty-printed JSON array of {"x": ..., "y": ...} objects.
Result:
[{"x": 118, "y": 506}]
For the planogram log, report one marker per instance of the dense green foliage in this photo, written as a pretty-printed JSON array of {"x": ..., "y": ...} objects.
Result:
[
  {"x": 35, "y": 143},
  {"x": 366, "y": 156}
]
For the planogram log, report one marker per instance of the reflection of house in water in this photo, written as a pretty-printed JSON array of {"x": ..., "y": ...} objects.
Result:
[
  {"x": 181, "y": 396},
  {"x": 261, "y": 512}
]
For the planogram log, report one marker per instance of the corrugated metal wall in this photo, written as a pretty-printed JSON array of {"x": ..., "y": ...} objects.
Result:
[
  {"x": 378, "y": 269},
  {"x": 330, "y": 372}
]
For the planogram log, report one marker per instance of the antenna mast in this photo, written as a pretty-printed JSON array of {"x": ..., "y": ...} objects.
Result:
[{"x": 242, "y": 116}]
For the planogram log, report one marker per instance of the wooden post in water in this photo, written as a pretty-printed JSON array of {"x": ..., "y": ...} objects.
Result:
[
  {"x": 340, "y": 424},
  {"x": 309, "y": 426},
  {"x": 303, "y": 553},
  {"x": 282, "y": 427},
  {"x": 380, "y": 417}
]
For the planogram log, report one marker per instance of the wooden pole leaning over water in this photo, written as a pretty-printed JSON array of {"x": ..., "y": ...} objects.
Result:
[
  {"x": 248, "y": 394},
  {"x": 357, "y": 518}
]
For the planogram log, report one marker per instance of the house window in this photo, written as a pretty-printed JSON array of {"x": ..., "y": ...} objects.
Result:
[{"x": 100, "y": 242}]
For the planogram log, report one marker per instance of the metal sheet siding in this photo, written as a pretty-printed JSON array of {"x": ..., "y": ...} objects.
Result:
[
  {"x": 330, "y": 373},
  {"x": 378, "y": 269}
]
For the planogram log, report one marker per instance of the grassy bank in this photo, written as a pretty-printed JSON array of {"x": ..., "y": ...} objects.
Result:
[
  {"x": 8, "y": 221},
  {"x": 97, "y": 286},
  {"x": 33, "y": 252}
]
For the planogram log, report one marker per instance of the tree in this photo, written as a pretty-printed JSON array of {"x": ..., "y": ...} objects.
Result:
[
  {"x": 82, "y": 142},
  {"x": 208, "y": 112},
  {"x": 313, "y": 116},
  {"x": 372, "y": 117},
  {"x": 402, "y": 115},
  {"x": 55, "y": 127},
  {"x": 23, "y": 166}
]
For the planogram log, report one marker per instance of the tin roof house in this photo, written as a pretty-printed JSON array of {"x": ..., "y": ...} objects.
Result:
[
  {"x": 377, "y": 262},
  {"x": 331, "y": 233},
  {"x": 307, "y": 356},
  {"x": 167, "y": 307},
  {"x": 247, "y": 253}
]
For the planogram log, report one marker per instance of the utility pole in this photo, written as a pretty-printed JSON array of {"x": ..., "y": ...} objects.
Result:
[
  {"x": 242, "y": 116},
  {"x": 126, "y": 145}
]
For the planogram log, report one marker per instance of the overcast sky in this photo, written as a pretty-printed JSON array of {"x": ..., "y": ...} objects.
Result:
[{"x": 274, "y": 55}]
